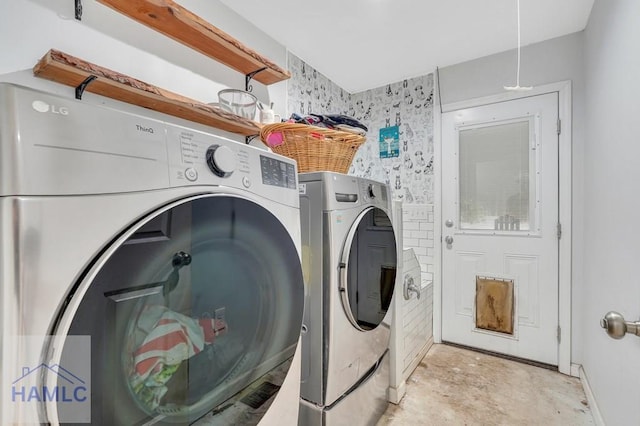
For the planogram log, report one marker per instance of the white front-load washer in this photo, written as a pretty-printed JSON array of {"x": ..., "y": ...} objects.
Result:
[
  {"x": 350, "y": 263},
  {"x": 150, "y": 269}
]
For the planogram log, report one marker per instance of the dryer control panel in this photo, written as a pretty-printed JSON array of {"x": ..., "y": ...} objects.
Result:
[
  {"x": 374, "y": 191},
  {"x": 343, "y": 191}
]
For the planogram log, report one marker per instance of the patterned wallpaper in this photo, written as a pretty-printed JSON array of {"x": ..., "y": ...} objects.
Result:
[
  {"x": 407, "y": 104},
  {"x": 309, "y": 91}
]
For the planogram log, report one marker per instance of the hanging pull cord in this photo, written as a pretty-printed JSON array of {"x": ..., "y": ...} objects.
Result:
[
  {"x": 518, "y": 67},
  {"x": 517, "y": 86}
]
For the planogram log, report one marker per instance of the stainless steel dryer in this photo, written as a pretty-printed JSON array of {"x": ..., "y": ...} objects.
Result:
[
  {"x": 150, "y": 270},
  {"x": 349, "y": 261}
]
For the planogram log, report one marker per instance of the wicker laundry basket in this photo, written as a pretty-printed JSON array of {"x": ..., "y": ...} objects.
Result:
[{"x": 314, "y": 148}]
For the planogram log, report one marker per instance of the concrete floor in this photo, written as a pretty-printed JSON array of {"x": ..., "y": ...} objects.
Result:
[{"x": 454, "y": 386}]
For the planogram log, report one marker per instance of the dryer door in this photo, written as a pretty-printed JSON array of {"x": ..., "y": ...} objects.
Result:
[
  {"x": 196, "y": 308},
  {"x": 368, "y": 269}
]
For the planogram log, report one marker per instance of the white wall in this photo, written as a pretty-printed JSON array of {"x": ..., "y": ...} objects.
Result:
[
  {"x": 29, "y": 28},
  {"x": 612, "y": 205},
  {"x": 541, "y": 63},
  {"x": 547, "y": 62}
]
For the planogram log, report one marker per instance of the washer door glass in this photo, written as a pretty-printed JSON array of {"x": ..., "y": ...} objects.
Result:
[
  {"x": 195, "y": 315},
  {"x": 368, "y": 272}
]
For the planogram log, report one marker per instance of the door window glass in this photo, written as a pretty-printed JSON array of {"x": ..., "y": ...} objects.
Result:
[
  {"x": 371, "y": 270},
  {"x": 496, "y": 187},
  {"x": 197, "y": 314}
]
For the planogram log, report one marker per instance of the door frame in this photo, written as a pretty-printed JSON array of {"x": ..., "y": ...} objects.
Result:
[{"x": 563, "y": 88}]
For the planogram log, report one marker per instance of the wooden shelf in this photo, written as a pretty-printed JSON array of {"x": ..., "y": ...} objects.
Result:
[
  {"x": 173, "y": 20},
  {"x": 72, "y": 71}
]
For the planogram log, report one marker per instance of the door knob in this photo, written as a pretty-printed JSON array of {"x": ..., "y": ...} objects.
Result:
[
  {"x": 617, "y": 327},
  {"x": 448, "y": 239}
]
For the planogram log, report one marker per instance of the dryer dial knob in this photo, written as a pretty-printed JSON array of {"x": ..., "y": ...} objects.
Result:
[
  {"x": 221, "y": 160},
  {"x": 373, "y": 191}
]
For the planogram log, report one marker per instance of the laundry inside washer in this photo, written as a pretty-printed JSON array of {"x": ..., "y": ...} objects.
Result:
[{"x": 165, "y": 351}]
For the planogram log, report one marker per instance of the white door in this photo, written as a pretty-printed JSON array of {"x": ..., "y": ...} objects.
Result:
[{"x": 500, "y": 227}]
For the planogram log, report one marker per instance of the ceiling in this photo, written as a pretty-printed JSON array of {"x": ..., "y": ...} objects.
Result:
[{"x": 363, "y": 44}]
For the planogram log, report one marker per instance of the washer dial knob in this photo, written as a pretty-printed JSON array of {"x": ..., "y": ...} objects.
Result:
[{"x": 221, "y": 160}]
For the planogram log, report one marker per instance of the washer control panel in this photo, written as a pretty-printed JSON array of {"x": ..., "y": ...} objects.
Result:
[
  {"x": 125, "y": 149},
  {"x": 200, "y": 158}
]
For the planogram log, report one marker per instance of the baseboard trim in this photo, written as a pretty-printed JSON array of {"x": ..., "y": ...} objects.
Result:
[
  {"x": 593, "y": 405},
  {"x": 505, "y": 356},
  {"x": 418, "y": 358},
  {"x": 396, "y": 394},
  {"x": 575, "y": 370},
  {"x": 430, "y": 343}
]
